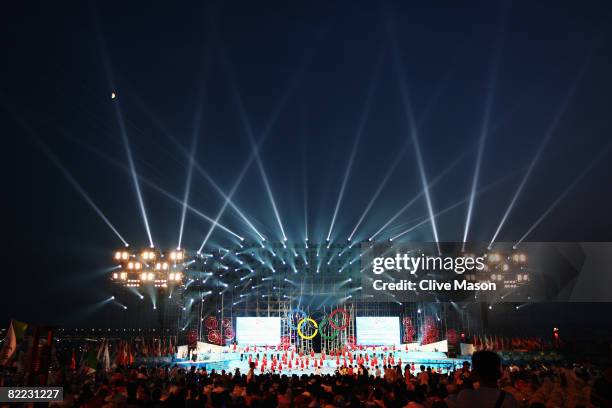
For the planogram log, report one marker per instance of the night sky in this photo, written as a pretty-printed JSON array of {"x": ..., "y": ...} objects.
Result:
[{"x": 307, "y": 72}]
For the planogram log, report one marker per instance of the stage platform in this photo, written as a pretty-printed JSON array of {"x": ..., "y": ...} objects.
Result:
[{"x": 231, "y": 361}]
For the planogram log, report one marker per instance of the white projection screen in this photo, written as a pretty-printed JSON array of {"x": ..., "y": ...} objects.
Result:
[
  {"x": 258, "y": 331},
  {"x": 378, "y": 330}
]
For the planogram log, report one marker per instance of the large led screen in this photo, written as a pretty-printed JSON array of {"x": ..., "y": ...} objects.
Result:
[
  {"x": 258, "y": 331},
  {"x": 378, "y": 330}
]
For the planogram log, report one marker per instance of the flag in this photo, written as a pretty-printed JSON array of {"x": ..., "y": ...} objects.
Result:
[
  {"x": 106, "y": 358},
  {"x": 14, "y": 335},
  {"x": 130, "y": 356},
  {"x": 90, "y": 360},
  {"x": 73, "y": 361},
  {"x": 100, "y": 350},
  {"x": 120, "y": 358}
]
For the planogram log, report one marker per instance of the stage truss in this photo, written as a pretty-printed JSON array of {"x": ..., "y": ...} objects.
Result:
[{"x": 276, "y": 278}]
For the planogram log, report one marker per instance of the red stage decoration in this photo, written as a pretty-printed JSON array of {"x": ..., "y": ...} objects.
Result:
[
  {"x": 451, "y": 336},
  {"x": 430, "y": 331},
  {"x": 214, "y": 337},
  {"x": 409, "y": 330},
  {"x": 228, "y": 333},
  {"x": 211, "y": 323}
]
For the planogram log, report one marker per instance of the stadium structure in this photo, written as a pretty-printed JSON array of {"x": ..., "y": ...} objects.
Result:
[{"x": 314, "y": 288}]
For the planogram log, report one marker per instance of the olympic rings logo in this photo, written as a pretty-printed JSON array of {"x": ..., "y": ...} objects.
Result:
[
  {"x": 336, "y": 324},
  {"x": 301, "y": 323}
]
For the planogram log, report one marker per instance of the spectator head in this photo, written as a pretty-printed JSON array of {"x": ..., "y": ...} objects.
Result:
[
  {"x": 131, "y": 389},
  {"x": 487, "y": 366},
  {"x": 607, "y": 372}
]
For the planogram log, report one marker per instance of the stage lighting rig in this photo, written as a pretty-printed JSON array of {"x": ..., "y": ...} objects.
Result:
[
  {"x": 508, "y": 269},
  {"x": 122, "y": 255},
  {"x": 176, "y": 256},
  {"x": 149, "y": 267},
  {"x": 148, "y": 255}
]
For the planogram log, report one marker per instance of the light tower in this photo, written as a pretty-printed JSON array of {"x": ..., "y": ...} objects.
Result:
[
  {"x": 149, "y": 267},
  {"x": 152, "y": 271}
]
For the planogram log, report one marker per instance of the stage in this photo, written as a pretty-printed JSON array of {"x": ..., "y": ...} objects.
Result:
[{"x": 290, "y": 362}]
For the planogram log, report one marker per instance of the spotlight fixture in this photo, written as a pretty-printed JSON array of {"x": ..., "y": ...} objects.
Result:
[
  {"x": 176, "y": 256},
  {"x": 122, "y": 255},
  {"x": 148, "y": 255}
]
